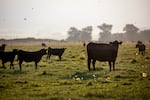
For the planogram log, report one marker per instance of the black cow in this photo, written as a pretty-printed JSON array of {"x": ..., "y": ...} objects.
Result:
[
  {"x": 2, "y": 48},
  {"x": 55, "y": 51},
  {"x": 43, "y": 45},
  {"x": 30, "y": 56},
  {"x": 8, "y": 57},
  {"x": 84, "y": 44},
  {"x": 141, "y": 47},
  {"x": 102, "y": 52}
]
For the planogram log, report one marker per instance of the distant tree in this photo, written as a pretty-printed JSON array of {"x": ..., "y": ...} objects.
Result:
[
  {"x": 80, "y": 35},
  {"x": 74, "y": 34},
  {"x": 105, "y": 35},
  {"x": 145, "y": 35},
  {"x": 118, "y": 36},
  {"x": 85, "y": 34},
  {"x": 131, "y": 32}
]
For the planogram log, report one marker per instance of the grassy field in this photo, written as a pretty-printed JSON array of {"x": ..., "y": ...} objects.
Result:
[{"x": 69, "y": 79}]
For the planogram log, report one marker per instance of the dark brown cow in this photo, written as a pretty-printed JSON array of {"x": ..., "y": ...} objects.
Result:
[
  {"x": 84, "y": 44},
  {"x": 30, "y": 56},
  {"x": 141, "y": 47},
  {"x": 8, "y": 57},
  {"x": 55, "y": 51},
  {"x": 102, "y": 52},
  {"x": 43, "y": 45}
]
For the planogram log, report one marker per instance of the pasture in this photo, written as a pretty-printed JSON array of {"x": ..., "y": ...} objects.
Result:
[{"x": 69, "y": 79}]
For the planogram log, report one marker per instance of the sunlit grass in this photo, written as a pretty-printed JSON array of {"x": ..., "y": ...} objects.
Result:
[{"x": 69, "y": 79}]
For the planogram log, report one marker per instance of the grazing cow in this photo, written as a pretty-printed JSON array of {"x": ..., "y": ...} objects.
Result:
[
  {"x": 55, "y": 51},
  {"x": 30, "y": 56},
  {"x": 84, "y": 44},
  {"x": 102, "y": 52},
  {"x": 2, "y": 48},
  {"x": 43, "y": 45},
  {"x": 141, "y": 47},
  {"x": 8, "y": 57}
]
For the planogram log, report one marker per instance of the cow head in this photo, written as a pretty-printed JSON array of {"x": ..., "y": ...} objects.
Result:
[
  {"x": 139, "y": 43},
  {"x": 15, "y": 51},
  {"x": 116, "y": 43},
  {"x": 43, "y": 51},
  {"x": 64, "y": 49},
  {"x": 3, "y": 45}
]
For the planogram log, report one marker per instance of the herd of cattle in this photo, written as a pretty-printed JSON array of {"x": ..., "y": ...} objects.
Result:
[{"x": 95, "y": 51}]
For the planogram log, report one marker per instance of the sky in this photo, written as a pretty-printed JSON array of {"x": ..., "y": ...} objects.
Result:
[{"x": 52, "y": 19}]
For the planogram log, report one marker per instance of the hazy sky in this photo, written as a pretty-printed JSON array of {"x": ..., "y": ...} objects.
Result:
[{"x": 53, "y": 18}]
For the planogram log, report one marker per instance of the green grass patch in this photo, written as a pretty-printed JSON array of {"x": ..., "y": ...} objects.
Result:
[{"x": 69, "y": 79}]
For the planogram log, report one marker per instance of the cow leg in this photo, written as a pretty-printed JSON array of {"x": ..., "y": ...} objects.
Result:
[
  {"x": 49, "y": 57},
  {"x": 3, "y": 65},
  {"x": 20, "y": 62},
  {"x": 35, "y": 65},
  {"x": 93, "y": 62},
  {"x": 89, "y": 63},
  {"x": 11, "y": 65},
  {"x": 143, "y": 53},
  {"x": 109, "y": 65},
  {"x": 60, "y": 58},
  {"x": 139, "y": 52},
  {"x": 113, "y": 65}
]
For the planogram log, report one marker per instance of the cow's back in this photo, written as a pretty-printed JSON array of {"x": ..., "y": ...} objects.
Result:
[
  {"x": 101, "y": 51},
  {"x": 56, "y": 51},
  {"x": 26, "y": 56}
]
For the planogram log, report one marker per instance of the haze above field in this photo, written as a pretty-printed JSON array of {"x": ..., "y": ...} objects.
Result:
[{"x": 53, "y": 18}]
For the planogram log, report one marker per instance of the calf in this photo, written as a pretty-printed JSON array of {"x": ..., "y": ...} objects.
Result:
[
  {"x": 8, "y": 57},
  {"x": 102, "y": 52},
  {"x": 30, "y": 56},
  {"x": 2, "y": 48},
  {"x": 43, "y": 45},
  {"x": 55, "y": 51},
  {"x": 141, "y": 47},
  {"x": 84, "y": 44}
]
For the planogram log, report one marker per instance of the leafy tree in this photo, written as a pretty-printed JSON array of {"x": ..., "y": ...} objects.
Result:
[
  {"x": 131, "y": 32},
  {"x": 73, "y": 34},
  {"x": 80, "y": 35},
  {"x": 86, "y": 34},
  {"x": 144, "y": 35},
  {"x": 105, "y": 35}
]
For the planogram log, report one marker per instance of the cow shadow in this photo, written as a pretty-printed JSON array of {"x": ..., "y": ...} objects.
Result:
[{"x": 14, "y": 72}]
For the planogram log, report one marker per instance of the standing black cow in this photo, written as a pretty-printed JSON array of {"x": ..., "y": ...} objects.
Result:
[
  {"x": 84, "y": 44},
  {"x": 141, "y": 47},
  {"x": 55, "y": 51},
  {"x": 30, "y": 56},
  {"x": 43, "y": 45},
  {"x": 8, "y": 57},
  {"x": 102, "y": 52}
]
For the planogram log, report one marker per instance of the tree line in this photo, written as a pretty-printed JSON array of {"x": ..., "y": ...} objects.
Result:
[{"x": 130, "y": 33}]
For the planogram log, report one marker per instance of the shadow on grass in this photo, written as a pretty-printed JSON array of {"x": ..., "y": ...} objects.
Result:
[{"x": 14, "y": 72}]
